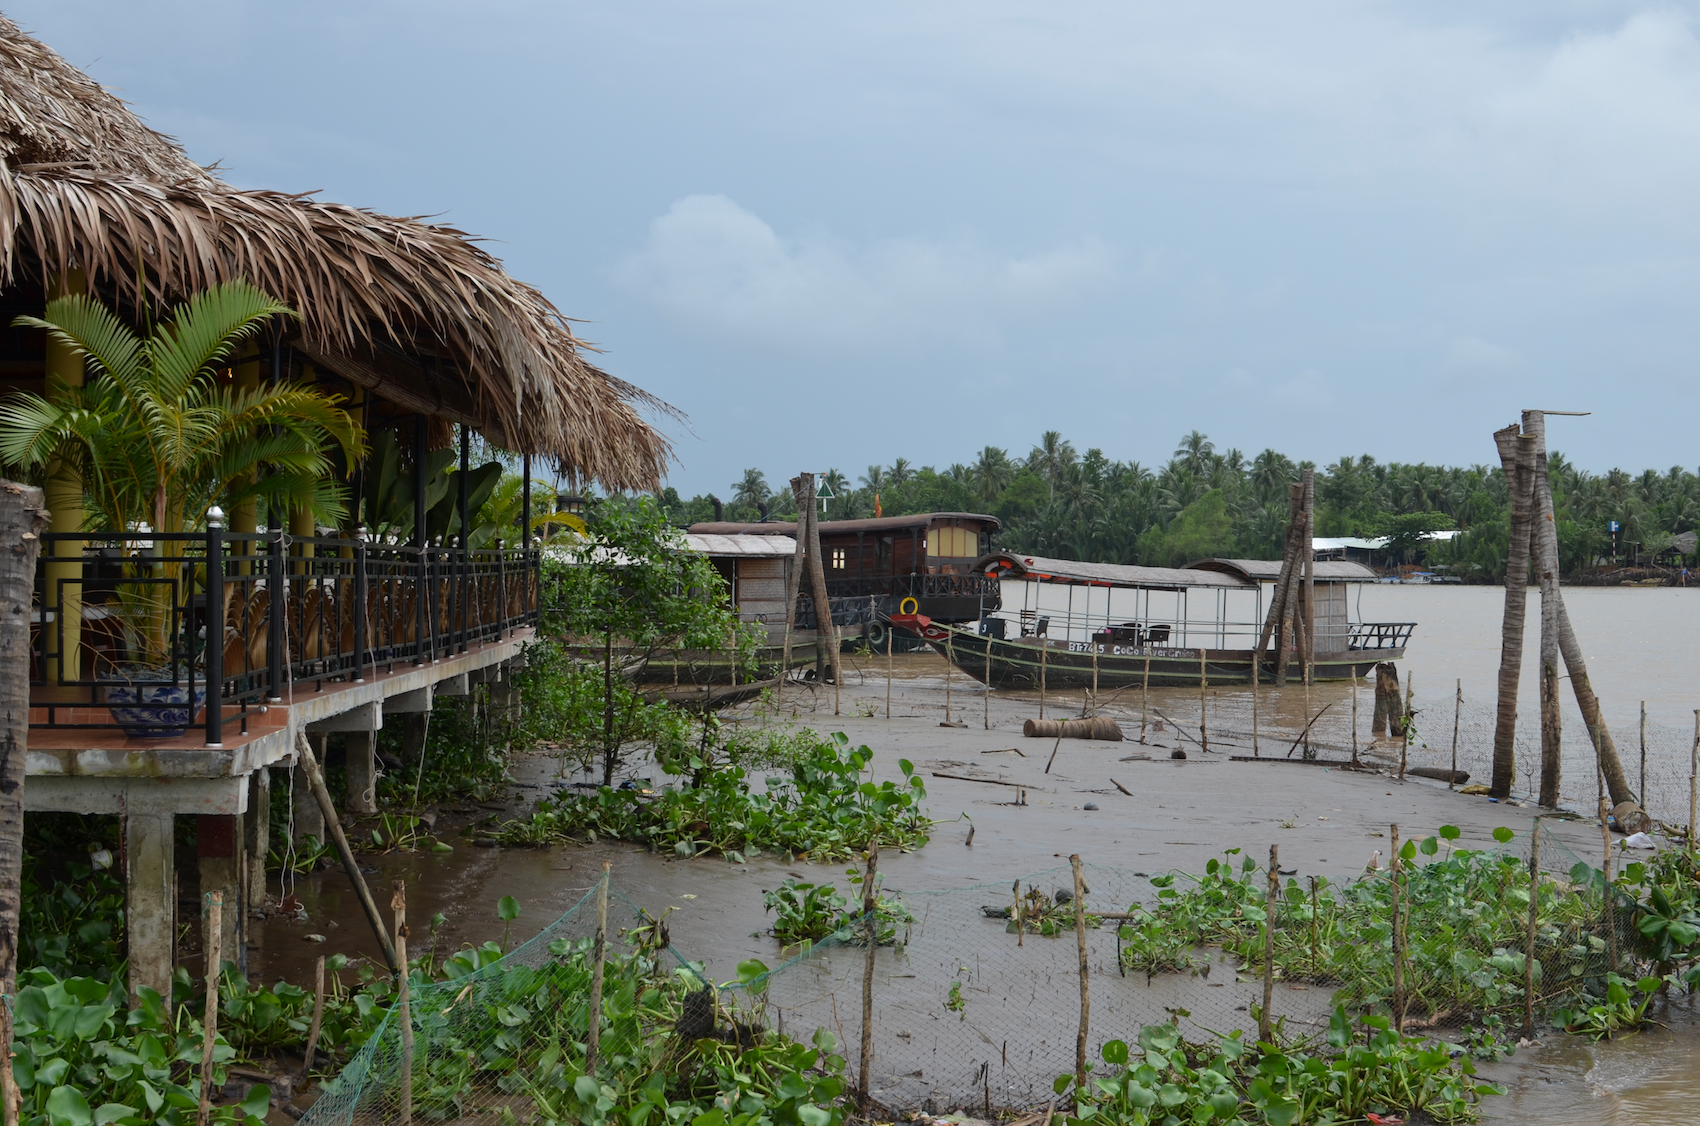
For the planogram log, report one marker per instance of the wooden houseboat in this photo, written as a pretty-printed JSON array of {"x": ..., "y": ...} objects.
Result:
[
  {"x": 1069, "y": 625},
  {"x": 872, "y": 566}
]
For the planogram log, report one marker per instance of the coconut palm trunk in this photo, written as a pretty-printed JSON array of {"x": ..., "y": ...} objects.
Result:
[
  {"x": 1516, "y": 458},
  {"x": 23, "y": 517},
  {"x": 1544, "y": 548}
]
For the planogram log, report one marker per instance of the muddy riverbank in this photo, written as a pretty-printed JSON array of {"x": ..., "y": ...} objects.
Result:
[{"x": 1179, "y": 815}]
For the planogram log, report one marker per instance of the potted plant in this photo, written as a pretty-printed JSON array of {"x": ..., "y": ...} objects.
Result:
[{"x": 161, "y": 437}]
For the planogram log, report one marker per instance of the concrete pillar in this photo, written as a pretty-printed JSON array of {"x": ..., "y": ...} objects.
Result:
[
  {"x": 150, "y": 912},
  {"x": 362, "y": 767},
  {"x": 309, "y": 818},
  {"x": 504, "y": 700},
  {"x": 218, "y": 840},
  {"x": 258, "y": 833}
]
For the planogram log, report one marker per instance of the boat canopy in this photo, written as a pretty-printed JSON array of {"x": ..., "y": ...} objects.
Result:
[
  {"x": 1268, "y": 570},
  {"x": 1013, "y": 565},
  {"x": 740, "y": 545}
]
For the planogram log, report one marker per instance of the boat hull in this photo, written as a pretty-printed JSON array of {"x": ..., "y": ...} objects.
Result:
[{"x": 1030, "y": 663}]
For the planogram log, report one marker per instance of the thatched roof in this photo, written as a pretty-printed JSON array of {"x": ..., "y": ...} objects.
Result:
[{"x": 415, "y": 311}]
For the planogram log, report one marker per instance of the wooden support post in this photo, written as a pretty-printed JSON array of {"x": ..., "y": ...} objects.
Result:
[
  {"x": 1085, "y": 995},
  {"x": 1354, "y": 717},
  {"x": 1044, "y": 651},
  {"x": 599, "y": 966},
  {"x": 1694, "y": 781},
  {"x": 404, "y": 1006},
  {"x": 1265, "y": 1025},
  {"x": 22, "y": 520},
  {"x": 890, "y": 648},
  {"x": 1396, "y": 874},
  {"x": 949, "y": 668},
  {"x": 824, "y": 632},
  {"x": 798, "y": 562},
  {"x": 1313, "y": 924},
  {"x": 212, "y": 929},
  {"x": 1016, "y": 889},
  {"x": 870, "y": 907},
  {"x": 986, "y": 720},
  {"x": 1533, "y": 930},
  {"x": 318, "y": 1017}
]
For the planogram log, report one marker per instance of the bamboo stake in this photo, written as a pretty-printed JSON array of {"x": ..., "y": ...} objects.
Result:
[
  {"x": 1457, "y": 711},
  {"x": 1643, "y": 754},
  {"x": 890, "y": 648},
  {"x": 949, "y": 666},
  {"x": 1085, "y": 996},
  {"x": 1265, "y": 1026},
  {"x": 318, "y": 1016},
  {"x": 1313, "y": 920},
  {"x": 1256, "y": 660},
  {"x": 870, "y": 904},
  {"x": 593, "y": 1028},
  {"x": 212, "y": 932},
  {"x": 1610, "y": 899},
  {"x": 838, "y": 664},
  {"x": 1405, "y": 745},
  {"x": 1354, "y": 717},
  {"x": 1395, "y": 875},
  {"x": 1044, "y": 651},
  {"x": 1203, "y": 700},
  {"x": 1533, "y": 929},
  {"x": 404, "y": 1003},
  {"x": 333, "y": 825},
  {"x": 797, "y": 570},
  {"x": 1693, "y": 777},
  {"x": 1018, "y": 928},
  {"x": 987, "y": 718},
  {"x": 1094, "y": 676},
  {"x": 1145, "y": 701}
]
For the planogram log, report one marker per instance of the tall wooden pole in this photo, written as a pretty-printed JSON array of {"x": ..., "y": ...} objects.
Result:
[
  {"x": 1544, "y": 552},
  {"x": 1085, "y": 996},
  {"x": 1307, "y": 625},
  {"x": 1514, "y": 458},
  {"x": 870, "y": 905},
  {"x": 791, "y": 581},
  {"x": 599, "y": 967},
  {"x": 212, "y": 932},
  {"x": 404, "y": 1005},
  {"x": 1265, "y": 1025},
  {"x": 23, "y": 517}
]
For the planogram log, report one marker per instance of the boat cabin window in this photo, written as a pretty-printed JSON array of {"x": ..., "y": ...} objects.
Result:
[
  {"x": 838, "y": 559},
  {"x": 882, "y": 554}
]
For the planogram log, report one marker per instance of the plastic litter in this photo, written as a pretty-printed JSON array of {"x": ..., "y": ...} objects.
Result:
[{"x": 1638, "y": 840}]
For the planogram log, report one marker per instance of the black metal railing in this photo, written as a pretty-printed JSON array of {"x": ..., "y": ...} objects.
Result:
[
  {"x": 1380, "y": 635},
  {"x": 342, "y": 607},
  {"x": 976, "y": 586}
]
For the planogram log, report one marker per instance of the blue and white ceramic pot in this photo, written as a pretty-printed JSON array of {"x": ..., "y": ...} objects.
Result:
[{"x": 146, "y": 703}]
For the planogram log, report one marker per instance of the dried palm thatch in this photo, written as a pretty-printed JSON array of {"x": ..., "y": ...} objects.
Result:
[{"x": 416, "y": 312}]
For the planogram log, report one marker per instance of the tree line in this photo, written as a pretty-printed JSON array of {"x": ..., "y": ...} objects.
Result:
[{"x": 1203, "y": 501}]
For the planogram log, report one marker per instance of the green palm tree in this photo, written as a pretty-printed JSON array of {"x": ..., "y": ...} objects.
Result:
[
  {"x": 158, "y": 434},
  {"x": 993, "y": 471}
]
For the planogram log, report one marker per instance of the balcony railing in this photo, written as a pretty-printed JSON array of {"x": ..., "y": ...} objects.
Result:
[
  {"x": 1380, "y": 635},
  {"x": 292, "y": 614}
]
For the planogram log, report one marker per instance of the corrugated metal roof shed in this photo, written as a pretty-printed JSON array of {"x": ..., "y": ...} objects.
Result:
[{"x": 740, "y": 545}]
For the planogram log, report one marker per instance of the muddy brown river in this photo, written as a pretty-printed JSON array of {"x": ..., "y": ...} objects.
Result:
[{"x": 1180, "y": 815}]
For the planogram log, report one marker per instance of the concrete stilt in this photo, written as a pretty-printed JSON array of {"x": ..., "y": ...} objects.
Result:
[
  {"x": 257, "y": 832},
  {"x": 218, "y": 840},
  {"x": 361, "y": 764},
  {"x": 151, "y": 905},
  {"x": 309, "y": 819}
]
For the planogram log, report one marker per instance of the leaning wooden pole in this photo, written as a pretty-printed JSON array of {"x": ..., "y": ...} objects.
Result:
[
  {"x": 825, "y": 635},
  {"x": 333, "y": 825},
  {"x": 23, "y": 517},
  {"x": 1514, "y": 458}
]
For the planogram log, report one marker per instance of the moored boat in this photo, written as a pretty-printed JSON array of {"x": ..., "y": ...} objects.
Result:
[{"x": 1104, "y": 626}]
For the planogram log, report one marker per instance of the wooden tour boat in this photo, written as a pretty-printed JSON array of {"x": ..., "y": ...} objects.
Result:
[{"x": 1101, "y": 626}]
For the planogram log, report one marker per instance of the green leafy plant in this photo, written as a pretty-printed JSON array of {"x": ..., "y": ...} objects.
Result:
[
  {"x": 1623, "y": 1009},
  {"x": 803, "y": 912},
  {"x": 825, "y": 810}
]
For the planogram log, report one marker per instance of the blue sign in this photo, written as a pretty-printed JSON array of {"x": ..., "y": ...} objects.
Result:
[{"x": 1611, "y": 525}]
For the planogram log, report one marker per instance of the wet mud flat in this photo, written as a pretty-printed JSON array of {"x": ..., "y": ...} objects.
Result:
[{"x": 1016, "y": 1027}]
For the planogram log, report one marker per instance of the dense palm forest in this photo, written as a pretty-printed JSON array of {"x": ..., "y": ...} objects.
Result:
[{"x": 1056, "y": 501}]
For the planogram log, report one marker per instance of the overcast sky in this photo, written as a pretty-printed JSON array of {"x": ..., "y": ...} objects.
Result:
[{"x": 838, "y": 234}]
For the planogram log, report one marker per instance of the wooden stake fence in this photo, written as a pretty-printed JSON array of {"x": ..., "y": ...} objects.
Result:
[
  {"x": 1533, "y": 929},
  {"x": 404, "y": 1005},
  {"x": 870, "y": 905},
  {"x": 599, "y": 952},
  {"x": 1265, "y": 1025},
  {"x": 1085, "y": 995},
  {"x": 212, "y": 935}
]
